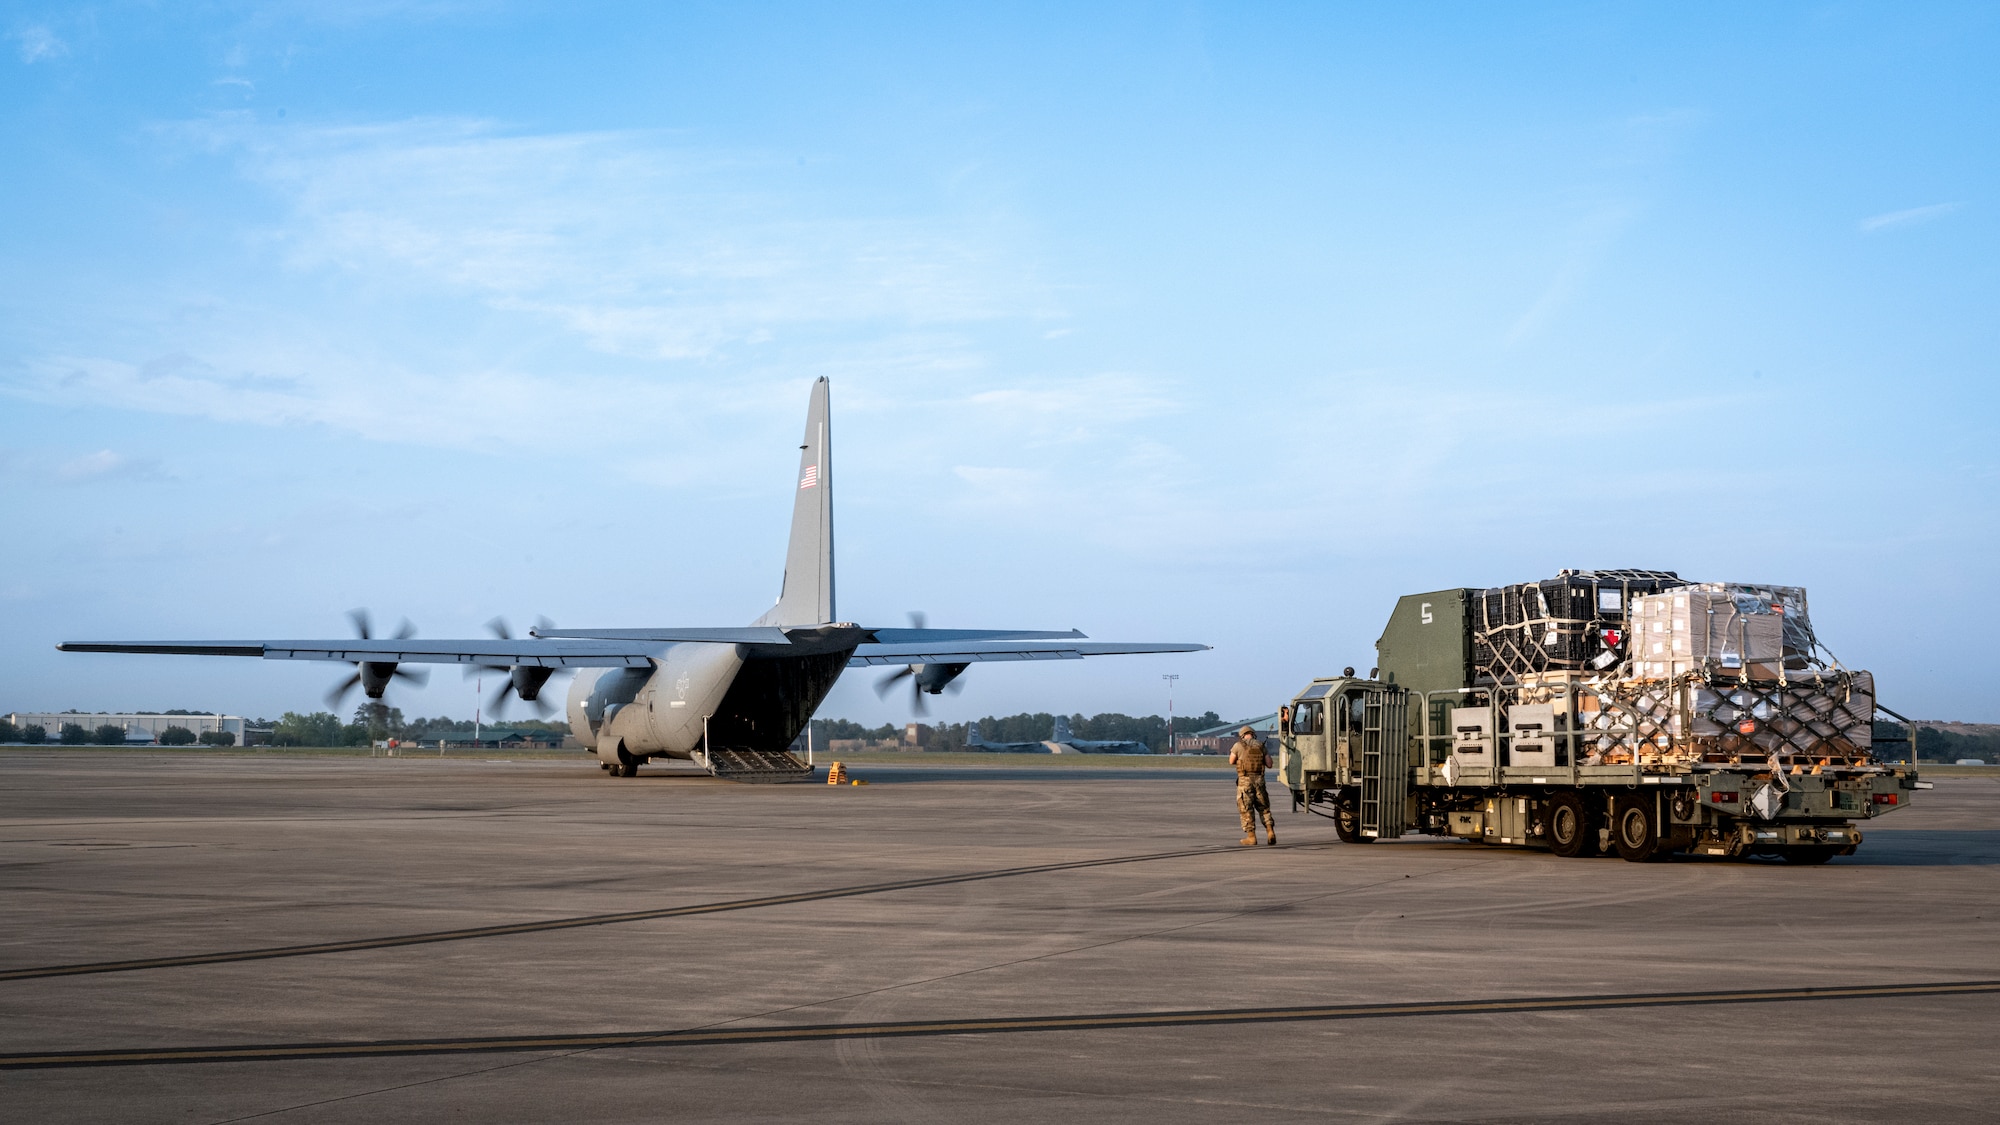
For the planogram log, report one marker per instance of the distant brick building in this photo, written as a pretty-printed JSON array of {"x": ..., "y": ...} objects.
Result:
[{"x": 1218, "y": 740}]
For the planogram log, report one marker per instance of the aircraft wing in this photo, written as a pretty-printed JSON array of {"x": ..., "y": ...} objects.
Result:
[
  {"x": 977, "y": 652},
  {"x": 634, "y": 650},
  {"x": 407, "y": 650}
]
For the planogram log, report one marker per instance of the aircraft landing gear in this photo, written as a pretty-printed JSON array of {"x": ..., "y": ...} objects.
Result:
[{"x": 625, "y": 766}]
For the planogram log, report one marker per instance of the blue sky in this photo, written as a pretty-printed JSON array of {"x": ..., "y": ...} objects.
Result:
[{"x": 1226, "y": 324}]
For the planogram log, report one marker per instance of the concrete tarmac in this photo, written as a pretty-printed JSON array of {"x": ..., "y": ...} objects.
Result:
[{"x": 679, "y": 947}]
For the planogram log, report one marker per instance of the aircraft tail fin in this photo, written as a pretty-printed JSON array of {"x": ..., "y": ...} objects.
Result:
[
  {"x": 1062, "y": 733},
  {"x": 806, "y": 598}
]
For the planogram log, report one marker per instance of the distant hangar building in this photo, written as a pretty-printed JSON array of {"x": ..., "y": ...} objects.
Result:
[
  {"x": 140, "y": 726},
  {"x": 1218, "y": 740}
]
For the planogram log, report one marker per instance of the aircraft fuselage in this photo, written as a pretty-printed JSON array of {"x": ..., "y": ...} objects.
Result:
[{"x": 697, "y": 695}]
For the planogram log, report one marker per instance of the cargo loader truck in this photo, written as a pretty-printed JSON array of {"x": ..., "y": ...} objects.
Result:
[{"x": 1624, "y": 711}]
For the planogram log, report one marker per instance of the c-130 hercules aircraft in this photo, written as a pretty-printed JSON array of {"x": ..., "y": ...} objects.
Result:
[{"x": 731, "y": 700}]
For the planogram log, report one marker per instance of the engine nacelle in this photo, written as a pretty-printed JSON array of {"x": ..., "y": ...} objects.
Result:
[
  {"x": 931, "y": 678},
  {"x": 375, "y": 676},
  {"x": 528, "y": 680}
]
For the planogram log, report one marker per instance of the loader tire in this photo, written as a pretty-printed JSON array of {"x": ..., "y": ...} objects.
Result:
[
  {"x": 1347, "y": 820},
  {"x": 1572, "y": 828},
  {"x": 1635, "y": 829}
]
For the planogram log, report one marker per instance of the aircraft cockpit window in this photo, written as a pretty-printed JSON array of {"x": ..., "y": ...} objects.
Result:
[{"x": 1308, "y": 717}]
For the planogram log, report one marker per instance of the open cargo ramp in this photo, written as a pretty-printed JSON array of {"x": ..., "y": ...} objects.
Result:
[{"x": 736, "y": 764}]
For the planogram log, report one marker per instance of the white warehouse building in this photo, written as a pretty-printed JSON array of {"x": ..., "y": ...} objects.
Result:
[{"x": 139, "y": 726}]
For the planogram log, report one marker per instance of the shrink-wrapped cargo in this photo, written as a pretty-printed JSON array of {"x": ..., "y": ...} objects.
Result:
[
  {"x": 1787, "y": 603},
  {"x": 1707, "y": 632}
]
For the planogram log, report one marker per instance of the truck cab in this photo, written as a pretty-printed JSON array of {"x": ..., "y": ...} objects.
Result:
[
  {"x": 1344, "y": 742},
  {"x": 1319, "y": 737}
]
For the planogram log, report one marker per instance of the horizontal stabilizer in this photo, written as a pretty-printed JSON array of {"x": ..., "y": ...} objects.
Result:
[
  {"x": 750, "y": 635},
  {"x": 942, "y": 636},
  {"x": 977, "y": 652}
]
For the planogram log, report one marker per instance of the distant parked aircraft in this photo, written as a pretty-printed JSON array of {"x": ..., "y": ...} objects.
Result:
[{"x": 1060, "y": 741}]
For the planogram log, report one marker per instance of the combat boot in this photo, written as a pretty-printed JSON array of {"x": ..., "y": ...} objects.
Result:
[
  {"x": 1270, "y": 838},
  {"x": 1249, "y": 841}
]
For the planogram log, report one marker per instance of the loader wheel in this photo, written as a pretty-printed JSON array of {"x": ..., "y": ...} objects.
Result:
[
  {"x": 1634, "y": 829},
  {"x": 1347, "y": 821},
  {"x": 1809, "y": 855},
  {"x": 628, "y": 769},
  {"x": 1572, "y": 830}
]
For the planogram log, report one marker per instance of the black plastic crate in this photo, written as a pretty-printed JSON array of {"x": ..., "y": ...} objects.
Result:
[{"x": 1513, "y": 624}]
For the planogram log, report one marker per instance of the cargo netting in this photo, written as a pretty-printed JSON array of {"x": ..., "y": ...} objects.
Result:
[
  {"x": 1678, "y": 672},
  {"x": 1822, "y": 719},
  {"x": 1571, "y": 623}
]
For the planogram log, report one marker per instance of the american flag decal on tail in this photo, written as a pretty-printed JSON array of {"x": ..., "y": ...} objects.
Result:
[{"x": 811, "y": 478}]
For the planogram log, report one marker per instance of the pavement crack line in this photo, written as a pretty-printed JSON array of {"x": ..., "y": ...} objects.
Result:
[
  {"x": 270, "y": 1052},
  {"x": 1087, "y": 947},
  {"x": 582, "y": 1050},
  {"x": 585, "y": 920}
]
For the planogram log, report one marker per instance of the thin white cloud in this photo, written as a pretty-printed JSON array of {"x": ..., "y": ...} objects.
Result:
[
  {"x": 38, "y": 42},
  {"x": 1891, "y": 220},
  {"x": 105, "y": 465},
  {"x": 593, "y": 289},
  {"x": 1589, "y": 240},
  {"x": 374, "y": 399},
  {"x": 639, "y": 247},
  {"x": 1005, "y": 485},
  {"x": 1076, "y": 405}
]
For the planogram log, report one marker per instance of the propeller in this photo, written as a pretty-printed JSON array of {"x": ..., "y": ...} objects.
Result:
[
  {"x": 884, "y": 685},
  {"x": 523, "y": 681},
  {"x": 373, "y": 676},
  {"x": 925, "y": 679}
]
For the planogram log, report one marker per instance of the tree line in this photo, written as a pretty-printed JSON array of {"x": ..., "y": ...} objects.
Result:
[
  {"x": 317, "y": 728},
  {"x": 372, "y": 723},
  {"x": 1034, "y": 726},
  {"x": 1941, "y": 745}
]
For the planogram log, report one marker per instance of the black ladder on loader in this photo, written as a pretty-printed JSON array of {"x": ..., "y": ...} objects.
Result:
[{"x": 1385, "y": 763}]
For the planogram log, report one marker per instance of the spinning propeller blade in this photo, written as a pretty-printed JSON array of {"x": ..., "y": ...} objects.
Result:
[{"x": 364, "y": 628}]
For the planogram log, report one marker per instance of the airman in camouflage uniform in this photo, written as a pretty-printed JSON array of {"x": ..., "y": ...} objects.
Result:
[{"x": 1251, "y": 797}]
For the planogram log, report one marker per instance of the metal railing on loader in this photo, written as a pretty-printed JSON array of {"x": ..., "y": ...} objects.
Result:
[{"x": 1385, "y": 763}]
